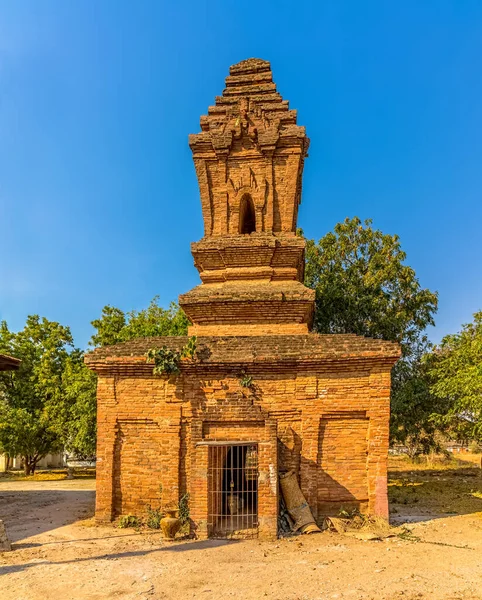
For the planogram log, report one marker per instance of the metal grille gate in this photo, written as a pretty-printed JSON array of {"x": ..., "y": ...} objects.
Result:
[{"x": 233, "y": 491}]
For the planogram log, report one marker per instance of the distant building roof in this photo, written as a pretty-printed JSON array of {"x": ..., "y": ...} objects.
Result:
[{"x": 7, "y": 363}]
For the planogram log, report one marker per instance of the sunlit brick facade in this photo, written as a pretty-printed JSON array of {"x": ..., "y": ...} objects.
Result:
[{"x": 316, "y": 404}]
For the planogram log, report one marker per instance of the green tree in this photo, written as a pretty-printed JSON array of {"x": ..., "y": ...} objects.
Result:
[
  {"x": 455, "y": 372},
  {"x": 26, "y": 434},
  {"x": 109, "y": 327},
  {"x": 413, "y": 406},
  {"x": 73, "y": 414},
  {"x": 115, "y": 326},
  {"x": 26, "y": 395},
  {"x": 363, "y": 286},
  {"x": 49, "y": 403}
]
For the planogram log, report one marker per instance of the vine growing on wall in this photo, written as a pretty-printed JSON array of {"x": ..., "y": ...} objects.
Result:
[{"x": 167, "y": 361}]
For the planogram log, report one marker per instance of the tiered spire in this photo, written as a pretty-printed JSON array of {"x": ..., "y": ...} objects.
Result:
[
  {"x": 252, "y": 78},
  {"x": 249, "y": 146},
  {"x": 249, "y": 161}
]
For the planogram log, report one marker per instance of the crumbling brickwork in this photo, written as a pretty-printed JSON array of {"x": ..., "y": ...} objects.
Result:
[
  {"x": 320, "y": 405},
  {"x": 249, "y": 161},
  {"x": 316, "y": 404}
]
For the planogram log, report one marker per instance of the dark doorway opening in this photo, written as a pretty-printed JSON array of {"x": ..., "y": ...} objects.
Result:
[
  {"x": 233, "y": 491},
  {"x": 247, "y": 217}
]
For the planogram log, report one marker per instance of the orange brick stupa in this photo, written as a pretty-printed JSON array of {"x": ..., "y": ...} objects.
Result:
[
  {"x": 249, "y": 162},
  {"x": 261, "y": 395}
]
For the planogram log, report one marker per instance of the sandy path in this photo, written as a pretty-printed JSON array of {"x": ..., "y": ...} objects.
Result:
[
  {"x": 29, "y": 508},
  {"x": 56, "y": 556}
]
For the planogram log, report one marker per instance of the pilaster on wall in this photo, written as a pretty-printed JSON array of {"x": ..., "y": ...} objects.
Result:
[
  {"x": 378, "y": 441},
  {"x": 106, "y": 437},
  {"x": 268, "y": 483},
  {"x": 170, "y": 450},
  {"x": 138, "y": 446},
  {"x": 198, "y": 492},
  {"x": 310, "y": 425}
]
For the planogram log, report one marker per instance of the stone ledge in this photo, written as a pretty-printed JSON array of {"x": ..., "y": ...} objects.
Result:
[
  {"x": 248, "y": 291},
  {"x": 308, "y": 348}
]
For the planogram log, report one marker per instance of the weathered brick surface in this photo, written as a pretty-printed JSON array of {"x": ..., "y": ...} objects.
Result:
[
  {"x": 249, "y": 161},
  {"x": 320, "y": 407},
  {"x": 320, "y": 403},
  {"x": 254, "y": 350}
]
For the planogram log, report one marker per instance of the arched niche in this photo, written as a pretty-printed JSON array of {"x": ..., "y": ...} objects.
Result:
[{"x": 247, "y": 216}]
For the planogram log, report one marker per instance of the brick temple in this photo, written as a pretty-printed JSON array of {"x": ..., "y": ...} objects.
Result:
[{"x": 262, "y": 395}]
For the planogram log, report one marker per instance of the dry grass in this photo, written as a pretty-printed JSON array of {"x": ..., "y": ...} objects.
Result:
[
  {"x": 437, "y": 486},
  {"x": 465, "y": 460},
  {"x": 47, "y": 475}
]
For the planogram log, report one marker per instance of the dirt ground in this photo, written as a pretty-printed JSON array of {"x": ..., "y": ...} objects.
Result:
[{"x": 59, "y": 554}]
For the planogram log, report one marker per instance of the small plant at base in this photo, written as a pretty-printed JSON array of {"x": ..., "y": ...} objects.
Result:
[
  {"x": 154, "y": 516},
  {"x": 347, "y": 513},
  {"x": 129, "y": 521},
  {"x": 475, "y": 448},
  {"x": 183, "y": 507}
]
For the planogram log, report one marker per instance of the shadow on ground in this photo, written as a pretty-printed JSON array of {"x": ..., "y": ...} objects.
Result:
[
  {"x": 34, "y": 511},
  {"x": 182, "y": 547}
]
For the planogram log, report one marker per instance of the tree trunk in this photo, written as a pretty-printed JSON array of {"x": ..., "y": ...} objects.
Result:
[{"x": 26, "y": 465}]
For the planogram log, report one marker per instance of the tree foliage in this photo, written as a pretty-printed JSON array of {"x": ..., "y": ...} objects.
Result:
[
  {"x": 413, "y": 405},
  {"x": 43, "y": 347},
  {"x": 26, "y": 434},
  {"x": 73, "y": 416},
  {"x": 455, "y": 374},
  {"x": 115, "y": 326},
  {"x": 109, "y": 327},
  {"x": 363, "y": 286},
  {"x": 49, "y": 403}
]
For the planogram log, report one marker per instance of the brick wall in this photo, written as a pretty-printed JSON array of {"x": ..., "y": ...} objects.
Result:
[{"x": 328, "y": 422}]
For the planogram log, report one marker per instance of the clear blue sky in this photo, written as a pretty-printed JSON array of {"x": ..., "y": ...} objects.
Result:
[{"x": 98, "y": 195}]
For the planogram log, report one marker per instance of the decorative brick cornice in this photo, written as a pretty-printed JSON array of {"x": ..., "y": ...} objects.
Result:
[{"x": 276, "y": 352}]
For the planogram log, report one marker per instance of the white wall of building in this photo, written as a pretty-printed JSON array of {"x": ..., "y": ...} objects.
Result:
[{"x": 49, "y": 461}]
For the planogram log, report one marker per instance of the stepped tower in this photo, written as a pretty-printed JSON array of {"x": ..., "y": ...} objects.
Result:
[
  {"x": 261, "y": 397},
  {"x": 249, "y": 160}
]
